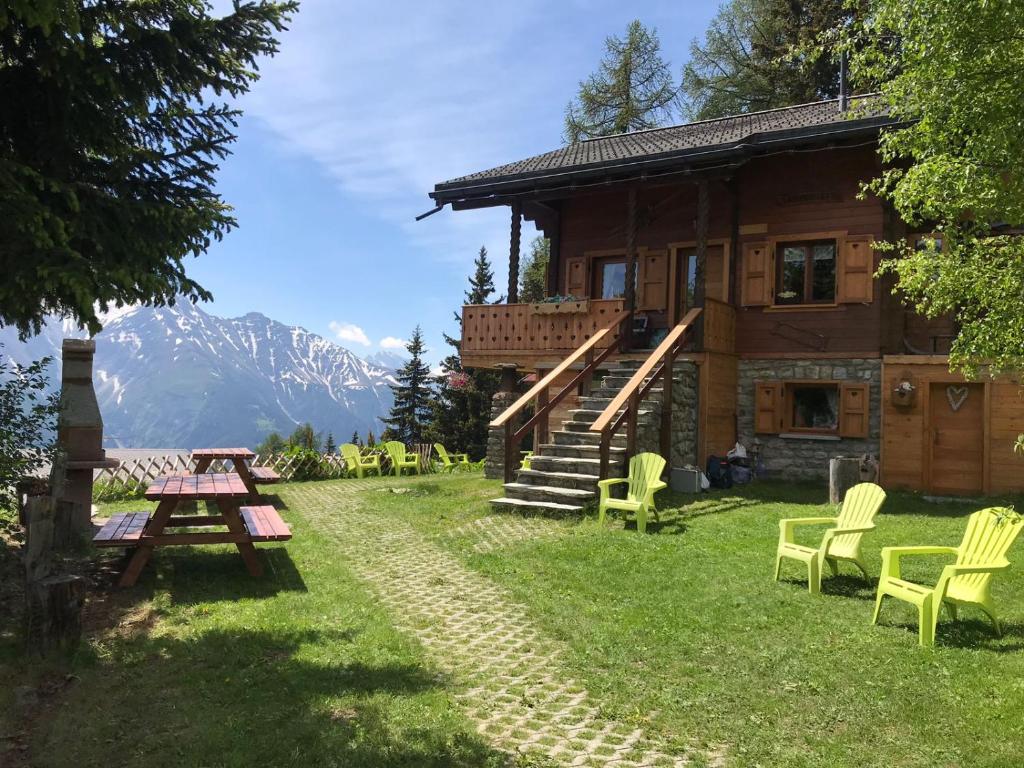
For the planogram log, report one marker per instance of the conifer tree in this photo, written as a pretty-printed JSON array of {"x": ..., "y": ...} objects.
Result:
[
  {"x": 534, "y": 273},
  {"x": 410, "y": 413},
  {"x": 632, "y": 89},
  {"x": 329, "y": 446},
  {"x": 355, "y": 440},
  {"x": 371, "y": 441}
]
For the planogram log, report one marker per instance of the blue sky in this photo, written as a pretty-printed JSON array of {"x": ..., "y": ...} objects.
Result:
[{"x": 365, "y": 108}]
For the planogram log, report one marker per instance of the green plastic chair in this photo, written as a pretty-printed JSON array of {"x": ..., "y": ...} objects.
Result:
[
  {"x": 525, "y": 463},
  {"x": 842, "y": 542},
  {"x": 399, "y": 461},
  {"x": 981, "y": 554},
  {"x": 644, "y": 481},
  {"x": 355, "y": 461},
  {"x": 453, "y": 462}
]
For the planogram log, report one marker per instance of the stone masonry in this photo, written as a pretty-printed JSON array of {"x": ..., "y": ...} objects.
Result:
[
  {"x": 684, "y": 414},
  {"x": 806, "y": 458},
  {"x": 494, "y": 466}
]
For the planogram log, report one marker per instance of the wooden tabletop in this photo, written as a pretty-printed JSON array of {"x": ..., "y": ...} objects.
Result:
[
  {"x": 222, "y": 453},
  {"x": 197, "y": 487}
]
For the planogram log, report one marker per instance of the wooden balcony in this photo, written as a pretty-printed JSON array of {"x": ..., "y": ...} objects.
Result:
[
  {"x": 542, "y": 335},
  {"x": 527, "y": 334}
]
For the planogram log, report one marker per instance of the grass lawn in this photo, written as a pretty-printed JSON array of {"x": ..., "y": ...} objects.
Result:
[{"x": 202, "y": 665}]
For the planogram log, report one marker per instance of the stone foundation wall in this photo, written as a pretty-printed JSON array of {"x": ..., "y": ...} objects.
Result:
[
  {"x": 684, "y": 414},
  {"x": 806, "y": 458},
  {"x": 494, "y": 466}
]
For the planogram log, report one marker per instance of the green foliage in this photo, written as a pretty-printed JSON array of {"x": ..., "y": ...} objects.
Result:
[
  {"x": 109, "y": 144},
  {"x": 108, "y": 490},
  {"x": 371, "y": 441},
  {"x": 461, "y": 410},
  {"x": 306, "y": 438},
  {"x": 273, "y": 443},
  {"x": 27, "y": 424},
  {"x": 308, "y": 464},
  {"x": 414, "y": 391},
  {"x": 329, "y": 445},
  {"x": 355, "y": 439},
  {"x": 759, "y": 54},
  {"x": 632, "y": 89},
  {"x": 956, "y": 165},
  {"x": 533, "y": 274}
]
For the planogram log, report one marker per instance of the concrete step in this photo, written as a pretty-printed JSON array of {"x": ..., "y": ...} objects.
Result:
[
  {"x": 654, "y": 394},
  {"x": 583, "y": 437},
  {"x": 558, "y": 479},
  {"x": 580, "y": 451},
  {"x": 576, "y": 464},
  {"x": 548, "y": 493},
  {"x": 589, "y": 416},
  {"x": 600, "y": 403},
  {"x": 524, "y": 507}
]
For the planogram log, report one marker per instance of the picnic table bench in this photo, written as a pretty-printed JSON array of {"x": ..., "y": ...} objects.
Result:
[
  {"x": 245, "y": 525},
  {"x": 241, "y": 462}
]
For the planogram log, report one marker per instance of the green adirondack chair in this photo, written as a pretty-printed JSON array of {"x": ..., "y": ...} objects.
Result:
[
  {"x": 981, "y": 555},
  {"x": 401, "y": 458},
  {"x": 452, "y": 462},
  {"x": 525, "y": 463},
  {"x": 644, "y": 481},
  {"x": 841, "y": 542},
  {"x": 356, "y": 462}
]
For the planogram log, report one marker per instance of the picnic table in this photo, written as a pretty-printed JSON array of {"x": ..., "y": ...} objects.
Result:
[
  {"x": 246, "y": 525},
  {"x": 241, "y": 462}
]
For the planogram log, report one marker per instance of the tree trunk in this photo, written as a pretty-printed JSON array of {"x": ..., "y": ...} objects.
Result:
[{"x": 843, "y": 474}]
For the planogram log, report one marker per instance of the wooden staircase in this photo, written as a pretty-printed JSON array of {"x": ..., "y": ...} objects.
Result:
[{"x": 563, "y": 474}]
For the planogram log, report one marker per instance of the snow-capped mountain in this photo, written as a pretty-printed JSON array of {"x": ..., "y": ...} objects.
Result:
[
  {"x": 387, "y": 359},
  {"x": 178, "y": 376}
]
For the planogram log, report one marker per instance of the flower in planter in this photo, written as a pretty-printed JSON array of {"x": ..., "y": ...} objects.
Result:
[{"x": 904, "y": 388}]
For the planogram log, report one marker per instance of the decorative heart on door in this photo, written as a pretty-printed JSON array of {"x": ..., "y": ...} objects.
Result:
[{"x": 956, "y": 396}]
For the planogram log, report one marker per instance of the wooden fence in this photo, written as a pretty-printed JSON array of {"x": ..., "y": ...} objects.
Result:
[{"x": 134, "y": 475}]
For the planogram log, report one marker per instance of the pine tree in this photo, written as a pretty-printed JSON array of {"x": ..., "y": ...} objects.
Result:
[
  {"x": 632, "y": 89},
  {"x": 533, "y": 276},
  {"x": 355, "y": 439},
  {"x": 272, "y": 443},
  {"x": 461, "y": 410},
  {"x": 329, "y": 446},
  {"x": 413, "y": 396},
  {"x": 305, "y": 437},
  {"x": 371, "y": 441}
]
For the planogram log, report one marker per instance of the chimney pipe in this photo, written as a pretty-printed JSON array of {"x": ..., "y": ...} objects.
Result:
[{"x": 844, "y": 94}]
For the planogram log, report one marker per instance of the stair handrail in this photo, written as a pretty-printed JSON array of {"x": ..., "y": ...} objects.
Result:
[
  {"x": 545, "y": 403},
  {"x": 658, "y": 365}
]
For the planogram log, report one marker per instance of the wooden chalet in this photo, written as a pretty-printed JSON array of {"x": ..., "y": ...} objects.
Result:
[{"x": 712, "y": 283}]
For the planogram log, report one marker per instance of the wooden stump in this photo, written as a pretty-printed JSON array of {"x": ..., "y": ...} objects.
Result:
[
  {"x": 53, "y": 600},
  {"x": 843, "y": 474}
]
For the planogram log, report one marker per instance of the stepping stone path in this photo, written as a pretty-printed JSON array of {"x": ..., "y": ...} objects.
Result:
[
  {"x": 513, "y": 686},
  {"x": 499, "y": 531}
]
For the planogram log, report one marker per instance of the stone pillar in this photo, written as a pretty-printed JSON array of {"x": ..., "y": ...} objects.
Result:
[{"x": 494, "y": 467}]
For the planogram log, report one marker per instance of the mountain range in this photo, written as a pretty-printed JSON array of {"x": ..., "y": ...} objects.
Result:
[{"x": 179, "y": 376}]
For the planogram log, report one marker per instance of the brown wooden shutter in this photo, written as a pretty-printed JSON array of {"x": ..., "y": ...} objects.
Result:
[
  {"x": 853, "y": 410},
  {"x": 768, "y": 407},
  {"x": 653, "y": 280},
  {"x": 756, "y": 278},
  {"x": 576, "y": 276},
  {"x": 855, "y": 271}
]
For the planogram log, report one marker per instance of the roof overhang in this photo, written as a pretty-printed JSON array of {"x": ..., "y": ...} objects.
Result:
[{"x": 694, "y": 161}]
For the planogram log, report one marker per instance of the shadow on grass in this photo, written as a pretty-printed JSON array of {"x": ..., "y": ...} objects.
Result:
[
  {"x": 263, "y": 697},
  {"x": 970, "y": 633}
]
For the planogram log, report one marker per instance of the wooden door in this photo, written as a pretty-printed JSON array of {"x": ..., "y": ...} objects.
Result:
[
  {"x": 685, "y": 278},
  {"x": 956, "y": 426}
]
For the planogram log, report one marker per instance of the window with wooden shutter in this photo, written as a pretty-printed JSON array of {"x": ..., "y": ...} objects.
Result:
[
  {"x": 853, "y": 409},
  {"x": 856, "y": 270},
  {"x": 576, "y": 276},
  {"x": 768, "y": 407},
  {"x": 653, "y": 280},
  {"x": 756, "y": 275}
]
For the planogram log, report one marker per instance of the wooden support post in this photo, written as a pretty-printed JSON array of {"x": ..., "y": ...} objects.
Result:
[
  {"x": 554, "y": 255},
  {"x": 513, "y": 253},
  {"x": 510, "y": 450},
  {"x": 700, "y": 289},
  {"x": 665, "y": 443},
  {"x": 631, "y": 232},
  {"x": 588, "y": 379},
  {"x": 632, "y": 417},
  {"x": 540, "y": 431}
]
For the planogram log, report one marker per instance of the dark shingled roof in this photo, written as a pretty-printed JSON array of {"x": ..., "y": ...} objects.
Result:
[{"x": 686, "y": 142}]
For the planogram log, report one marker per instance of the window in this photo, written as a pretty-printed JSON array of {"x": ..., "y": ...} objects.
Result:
[
  {"x": 813, "y": 407},
  {"x": 610, "y": 278},
  {"x": 806, "y": 273}
]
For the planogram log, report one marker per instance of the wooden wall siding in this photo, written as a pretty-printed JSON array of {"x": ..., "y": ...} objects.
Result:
[
  {"x": 907, "y": 436},
  {"x": 719, "y": 326},
  {"x": 716, "y": 431},
  {"x": 515, "y": 327}
]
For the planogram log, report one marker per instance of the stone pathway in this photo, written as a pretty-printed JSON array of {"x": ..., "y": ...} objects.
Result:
[
  {"x": 514, "y": 689},
  {"x": 493, "y": 532}
]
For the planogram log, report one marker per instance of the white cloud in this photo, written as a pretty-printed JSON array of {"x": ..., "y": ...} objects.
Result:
[
  {"x": 392, "y": 342},
  {"x": 349, "y": 332}
]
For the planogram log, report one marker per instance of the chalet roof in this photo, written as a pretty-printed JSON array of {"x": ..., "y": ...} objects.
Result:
[{"x": 690, "y": 144}]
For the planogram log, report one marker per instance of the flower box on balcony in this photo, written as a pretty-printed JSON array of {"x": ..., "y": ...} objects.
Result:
[{"x": 561, "y": 308}]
